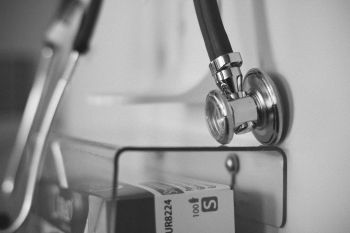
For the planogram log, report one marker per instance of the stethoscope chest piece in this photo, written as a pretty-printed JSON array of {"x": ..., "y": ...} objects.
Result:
[
  {"x": 269, "y": 126},
  {"x": 258, "y": 110}
]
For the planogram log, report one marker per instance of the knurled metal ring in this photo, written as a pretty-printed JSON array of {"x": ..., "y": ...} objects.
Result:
[{"x": 233, "y": 59}]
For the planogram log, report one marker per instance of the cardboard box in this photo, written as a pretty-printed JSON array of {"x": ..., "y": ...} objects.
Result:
[{"x": 166, "y": 206}]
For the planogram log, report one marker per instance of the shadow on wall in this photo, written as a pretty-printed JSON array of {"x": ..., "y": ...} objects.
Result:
[{"x": 245, "y": 225}]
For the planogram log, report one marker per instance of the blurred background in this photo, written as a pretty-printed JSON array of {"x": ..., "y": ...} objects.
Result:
[
  {"x": 145, "y": 78},
  {"x": 22, "y": 26}
]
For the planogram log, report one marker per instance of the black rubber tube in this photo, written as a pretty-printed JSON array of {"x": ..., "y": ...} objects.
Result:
[
  {"x": 5, "y": 221},
  {"x": 86, "y": 29},
  {"x": 81, "y": 43},
  {"x": 213, "y": 31}
]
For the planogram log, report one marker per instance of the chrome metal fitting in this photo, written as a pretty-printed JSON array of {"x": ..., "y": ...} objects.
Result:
[
  {"x": 227, "y": 60},
  {"x": 226, "y": 117},
  {"x": 259, "y": 110},
  {"x": 226, "y": 72}
]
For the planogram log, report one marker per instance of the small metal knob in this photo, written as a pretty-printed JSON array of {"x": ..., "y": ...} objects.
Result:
[{"x": 232, "y": 166}]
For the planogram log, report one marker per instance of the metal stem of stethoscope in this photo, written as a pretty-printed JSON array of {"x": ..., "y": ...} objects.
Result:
[
  {"x": 252, "y": 103},
  {"x": 66, "y": 39}
]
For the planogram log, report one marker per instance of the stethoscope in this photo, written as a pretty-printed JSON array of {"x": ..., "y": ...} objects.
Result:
[{"x": 240, "y": 105}]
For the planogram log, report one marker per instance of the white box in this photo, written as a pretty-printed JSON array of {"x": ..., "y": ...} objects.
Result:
[{"x": 171, "y": 206}]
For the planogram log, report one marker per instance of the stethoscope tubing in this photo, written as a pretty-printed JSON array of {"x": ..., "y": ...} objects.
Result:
[{"x": 213, "y": 31}]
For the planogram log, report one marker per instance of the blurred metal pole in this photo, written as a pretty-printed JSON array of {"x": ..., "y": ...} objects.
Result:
[{"x": 58, "y": 61}]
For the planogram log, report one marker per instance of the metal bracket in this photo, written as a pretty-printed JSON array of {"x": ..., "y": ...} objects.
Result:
[
  {"x": 258, "y": 175},
  {"x": 259, "y": 183}
]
